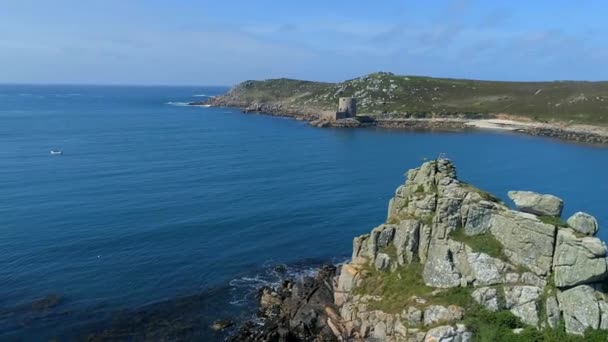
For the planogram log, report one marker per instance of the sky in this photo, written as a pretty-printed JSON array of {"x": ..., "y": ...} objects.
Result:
[{"x": 222, "y": 42}]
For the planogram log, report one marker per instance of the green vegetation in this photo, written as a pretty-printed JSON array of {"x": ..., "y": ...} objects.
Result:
[
  {"x": 398, "y": 289},
  {"x": 393, "y": 220},
  {"x": 484, "y": 194},
  {"x": 554, "y": 221},
  {"x": 423, "y": 97},
  {"x": 390, "y": 250},
  {"x": 482, "y": 243},
  {"x": 419, "y": 189},
  {"x": 427, "y": 220},
  {"x": 542, "y": 300},
  {"x": 489, "y": 326}
]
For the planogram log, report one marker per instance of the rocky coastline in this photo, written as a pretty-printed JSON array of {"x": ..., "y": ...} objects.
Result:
[
  {"x": 452, "y": 263},
  {"x": 417, "y": 121}
]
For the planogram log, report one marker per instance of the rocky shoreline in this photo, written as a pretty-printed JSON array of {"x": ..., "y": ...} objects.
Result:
[
  {"x": 419, "y": 121},
  {"x": 452, "y": 263}
]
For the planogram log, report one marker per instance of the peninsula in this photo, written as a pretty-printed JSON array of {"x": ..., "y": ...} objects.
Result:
[
  {"x": 570, "y": 110},
  {"x": 452, "y": 263}
]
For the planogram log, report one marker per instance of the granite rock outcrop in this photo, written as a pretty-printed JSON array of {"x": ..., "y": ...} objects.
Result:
[
  {"x": 447, "y": 251},
  {"x": 463, "y": 240}
]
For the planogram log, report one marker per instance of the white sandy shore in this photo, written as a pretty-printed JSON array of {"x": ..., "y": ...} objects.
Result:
[
  {"x": 512, "y": 125},
  {"x": 501, "y": 124}
]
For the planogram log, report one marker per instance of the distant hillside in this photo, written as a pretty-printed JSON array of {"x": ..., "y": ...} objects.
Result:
[{"x": 575, "y": 101}]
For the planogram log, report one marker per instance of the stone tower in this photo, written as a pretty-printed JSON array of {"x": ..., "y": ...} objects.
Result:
[{"x": 347, "y": 107}]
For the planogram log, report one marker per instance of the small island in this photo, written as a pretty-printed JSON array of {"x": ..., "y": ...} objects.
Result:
[
  {"x": 569, "y": 110},
  {"x": 452, "y": 263}
]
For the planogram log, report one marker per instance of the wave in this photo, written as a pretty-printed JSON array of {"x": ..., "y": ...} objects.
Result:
[
  {"x": 67, "y": 95},
  {"x": 178, "y": 104},
  {"x": 201, "y": 95},
  {"x": 244, "y": 289}
]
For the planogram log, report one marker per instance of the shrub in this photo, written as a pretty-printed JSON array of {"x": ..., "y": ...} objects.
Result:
[{"x": 393, "y": 220}]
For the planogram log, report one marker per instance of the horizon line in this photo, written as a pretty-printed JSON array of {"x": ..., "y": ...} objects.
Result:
[
  {"x": 291, "y": 78},
  {"x": 108, "y": 84}
]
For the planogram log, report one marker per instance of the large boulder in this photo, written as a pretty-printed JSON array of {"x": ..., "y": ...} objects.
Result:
[
  {"x": 578, "y": 260},
  {"x": 488, "y": 297},
  {"x": 526, "y": 240},
  {"x": 349, "y": 275},
  {"x": 582, "y": 308},
  {"x": 485, "y": 269},
  {"x": 435, "y": 314},
  {"x": 537, "y": 204},
  {"x": 406, "y": 240},
  {"x": 521, "y": 300},
  {"x": 439, "y": 270},
  {"x": 446, "y": 333},
  {"x": 412, "y": 316},
  {"x": 360, "y": 247},
  {"x": 583, "y": 223},
  {"x": 383, "y": 261}
]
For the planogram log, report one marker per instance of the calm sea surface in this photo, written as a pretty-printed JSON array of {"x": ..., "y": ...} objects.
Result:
[{"x": 153, "y": 200}]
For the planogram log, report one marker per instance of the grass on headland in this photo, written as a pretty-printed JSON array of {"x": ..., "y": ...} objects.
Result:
[
  {"x": 393, "y": 220},
  {"x": 553, "y": 220},
  {"x": 398, "y": 288},
  {"x": 482, "y": 243},
  {"x": 391, "y": 251},
  {"x": 484, "y": 194}
]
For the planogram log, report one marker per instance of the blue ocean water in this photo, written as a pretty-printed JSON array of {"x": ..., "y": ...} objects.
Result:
[{"x": 153, "y": 200}]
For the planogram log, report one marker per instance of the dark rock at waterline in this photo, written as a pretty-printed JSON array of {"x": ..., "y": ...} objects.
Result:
[
  {"x": 180, "y": 319},
  {"x": 222, "y": 324},
  {"x": 46, "y": 303},
  {"x": 280, "y": 269},
  {"x": 294, "y": 311}
]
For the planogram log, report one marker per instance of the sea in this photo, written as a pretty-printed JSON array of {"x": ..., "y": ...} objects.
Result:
[{"x": 159, "y": 215}]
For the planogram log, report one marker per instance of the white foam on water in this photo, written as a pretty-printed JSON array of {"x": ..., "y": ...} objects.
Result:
[
  {"x": 178, "y": 104},
  {"x": 244, "y": 289}
]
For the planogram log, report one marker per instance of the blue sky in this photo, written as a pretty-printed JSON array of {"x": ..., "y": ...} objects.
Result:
[{"x": 224, "y": 42}]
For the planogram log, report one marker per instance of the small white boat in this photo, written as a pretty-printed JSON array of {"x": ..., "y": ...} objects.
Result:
[{"x": 56, "y": 152}]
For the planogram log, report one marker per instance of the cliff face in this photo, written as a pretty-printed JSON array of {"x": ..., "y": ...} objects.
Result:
[{"x": 449, "y": 251}]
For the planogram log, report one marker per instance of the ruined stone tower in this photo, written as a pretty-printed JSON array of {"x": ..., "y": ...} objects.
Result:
[{"x": 347, "y": 107}]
